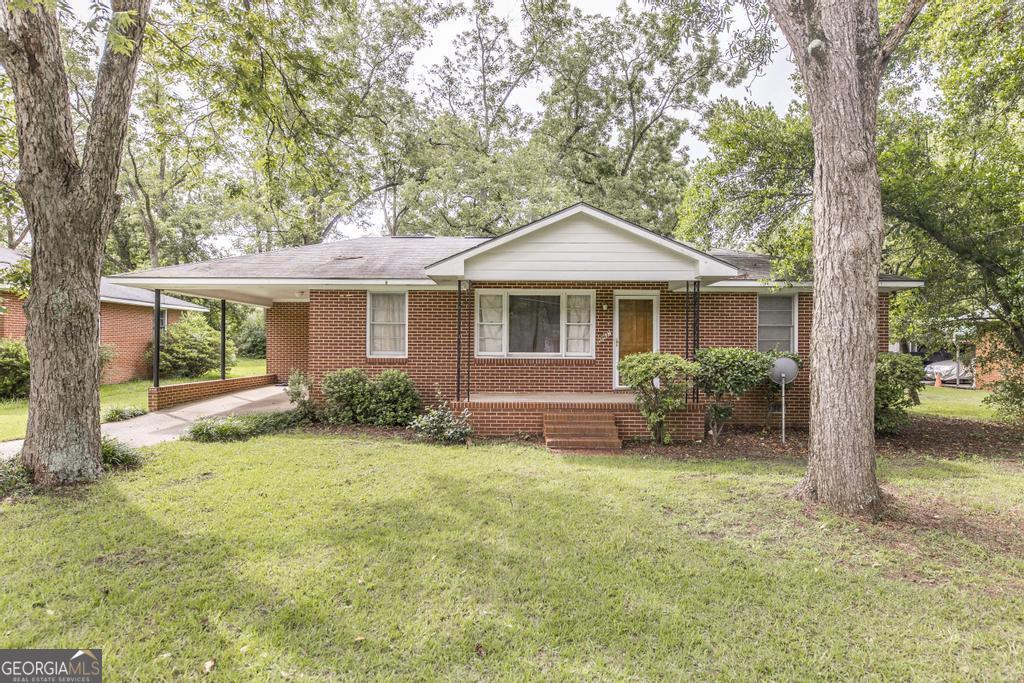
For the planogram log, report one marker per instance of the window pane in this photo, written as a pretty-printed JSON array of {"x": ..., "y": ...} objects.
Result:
[
  {"x": 491, "y": 338},
  {"x": 774, "y": 333},
  {"x": 534, "y": 324},
  {"x": 387, "y": 308},
  {"x": 776, "y": 318},
  {"x": 775, "y": 303},
  {"x": 387, "y": 339},
  {"x": 579, "y": 308},
  {"x": 577, "y": 338},
  {"x": 491, "y": 308}
]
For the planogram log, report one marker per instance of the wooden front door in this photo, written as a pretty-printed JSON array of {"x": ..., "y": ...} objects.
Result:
[{"x": 635, "y": 327}]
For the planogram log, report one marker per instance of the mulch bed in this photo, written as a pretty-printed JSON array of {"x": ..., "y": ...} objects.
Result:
[{"x": 925, "y": 435}]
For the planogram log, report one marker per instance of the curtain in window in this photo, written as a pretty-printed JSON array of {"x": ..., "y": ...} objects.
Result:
[
  {"x": 577, "y": 323},
  {"x": 491, "y": 330},
  {"x": 775, "y": 323},
  {"x": 387, "y": 324},
  {"x": 534, "y": 324}
]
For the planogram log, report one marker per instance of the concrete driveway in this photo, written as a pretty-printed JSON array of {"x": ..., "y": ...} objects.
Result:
[{"x": 165, "y": 425}]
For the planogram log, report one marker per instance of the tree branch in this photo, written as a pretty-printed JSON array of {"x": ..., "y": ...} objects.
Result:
[{"x": 897, "y": 33}]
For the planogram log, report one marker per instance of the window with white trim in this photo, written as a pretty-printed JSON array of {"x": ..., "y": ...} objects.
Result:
[
  {"x": 163, "y": 318},
  {"x": 386, "y": 324},
  {"x": 535, "y": 323},
  {"x": 776, "y": 328}
]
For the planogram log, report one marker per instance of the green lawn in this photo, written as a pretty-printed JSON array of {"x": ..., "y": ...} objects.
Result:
[
  {"x": 947, "y": 402},
  {"x": 14, "y": 414},
  {"x": 358, "y": 558}
]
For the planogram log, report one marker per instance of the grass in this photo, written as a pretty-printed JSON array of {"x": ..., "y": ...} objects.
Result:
[
  {"x": 947, "y": 402},
  {"x": 14, "y": 414},
  {"x": 359, "y": 558}
]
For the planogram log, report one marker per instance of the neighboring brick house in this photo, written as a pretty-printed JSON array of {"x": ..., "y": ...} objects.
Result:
[
  {"x": 126, "y": 322},
  {"x": 524, "y": 329}
]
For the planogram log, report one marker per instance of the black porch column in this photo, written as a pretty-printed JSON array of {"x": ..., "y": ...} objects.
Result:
[
  {"x": 156, "y": 338},
  {"x": 458, "y": 340},
  {"x": 223, "y": 339},
  {"x": 696, "y": 318}
]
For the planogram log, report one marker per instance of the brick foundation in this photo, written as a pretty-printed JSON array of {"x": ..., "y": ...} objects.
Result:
[{"x": 170, "y": 395}]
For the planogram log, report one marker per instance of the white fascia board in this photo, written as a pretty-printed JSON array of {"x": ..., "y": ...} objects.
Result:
[
  {"x": 764, "y": 285},
  {"x": 454, "y": 265},
  {"x": 132, "y": 302},
  {"x": 183, "y": 283}
]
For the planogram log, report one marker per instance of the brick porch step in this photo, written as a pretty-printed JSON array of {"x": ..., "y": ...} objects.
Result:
[{"x": 589, "y": 431}]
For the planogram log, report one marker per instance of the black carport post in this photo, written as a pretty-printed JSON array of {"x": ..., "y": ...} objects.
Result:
[
  {"x": 223, "y": 339},
  {"x": 156, "y": 337}
]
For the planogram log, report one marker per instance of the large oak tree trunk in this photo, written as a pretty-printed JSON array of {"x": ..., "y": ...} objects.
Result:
[
  {"x": 841, "y": 55},
  {"x": 70, "y": 206}
]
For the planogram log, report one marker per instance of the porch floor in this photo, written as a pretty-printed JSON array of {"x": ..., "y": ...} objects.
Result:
[{"x": 563, "y": 397}]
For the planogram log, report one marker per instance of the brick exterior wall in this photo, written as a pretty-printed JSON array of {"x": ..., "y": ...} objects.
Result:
[
  {"x": 329, "y": 334},
  {"x": 12, "y": 323},
  {"x": 287, "y": 338},
  {"x": 170, "y": 395},
  {"x": 129, "y": 329}
]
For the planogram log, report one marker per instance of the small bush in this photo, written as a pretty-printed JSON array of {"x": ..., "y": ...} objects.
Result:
[
  {"x": 241, "y": 427},
  {"x": 442, "y": 425},
  {"x": 13, "y": 369},
  {"x": 121, "y": 413},
  {"x": 351, "y": 397},
  {"x": 660, "y": 381},
  {"x": 190, "y": 347},
  {"x": 1007, "y": 397},
  {"x": 395, "y": 399},
  {"x": 251, "y": 338},
  {"x": 116, "y": 455},
  {"x": 299, "y": 393},
  {"x": 107, "y": 355},
  {"x": 348, "y": 396},
  {"x": 725, "y": 375},
  {"x": 897, "y": 383},
  {"x": 15, "y": 479}
]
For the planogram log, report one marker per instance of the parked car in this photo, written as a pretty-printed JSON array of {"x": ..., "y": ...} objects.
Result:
[{"x": 950, "y": 371}]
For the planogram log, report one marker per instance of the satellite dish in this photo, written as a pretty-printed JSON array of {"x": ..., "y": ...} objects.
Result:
[{"x": 784, "y": 371}]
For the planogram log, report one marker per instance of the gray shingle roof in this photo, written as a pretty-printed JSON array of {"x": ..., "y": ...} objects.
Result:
[
  {"x": 110, "y": 291},
  {"x": 379, "y": 258}
]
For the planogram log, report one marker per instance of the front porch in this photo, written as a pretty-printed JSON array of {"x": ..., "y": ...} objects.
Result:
[{"x": 572, "y": 420}]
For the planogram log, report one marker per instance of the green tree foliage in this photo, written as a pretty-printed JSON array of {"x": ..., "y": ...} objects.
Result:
[
  {"x": 190, "y": 348},
  {"x": 251, "y": 336},
  {"x": 724, "y": 375},
  {"x": 897, "y": 382},
  {"x": 660, "y": 382},
  {"x": 13, "y": 369}
]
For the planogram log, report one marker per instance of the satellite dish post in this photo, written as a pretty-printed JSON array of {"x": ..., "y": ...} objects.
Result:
[{"x": 782, "y": 373}]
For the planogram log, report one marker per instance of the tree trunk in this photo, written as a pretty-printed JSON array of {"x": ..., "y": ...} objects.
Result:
[
  {"x": 841, "y": 56},
  {"x": 70, "y": 206}
]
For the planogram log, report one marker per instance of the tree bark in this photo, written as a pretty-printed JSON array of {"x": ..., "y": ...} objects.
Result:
[
  {"x": 70, "y": 206},
  {"x": 841, "y": 55}
]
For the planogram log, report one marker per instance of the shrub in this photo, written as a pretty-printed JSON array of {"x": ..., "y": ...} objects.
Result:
[
  {"x": 251, "y": 338},
  {"x": 121, "y": 413},
  {"x": 1007, "y": 397},
  {"x": 107, "y": 355},
  {"x": 15, "y": 479},
  {"x": 897, "y": 383},
  {"x": 351, "y": 397},
  {"x": 241, "y": 427},
  {"x": 395, "y": 399},
  {"x": 442, "y": 425},
  {"x": 116, "y": 455},
  {"x": 298, "y": 392},
  {"x": 190, "y": 347},
  {"x": 725, "y": 373},
  {"x": 347, "y": 397},
  {"x": 660, "y": 381},
  {"x": 13, "y": 369}
]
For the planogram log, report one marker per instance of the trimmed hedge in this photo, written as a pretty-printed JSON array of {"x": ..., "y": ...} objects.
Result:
[
  {"x": 13, "y": 369},
  {"x": 190, "y": 348},
  {"x": 897, "y": 383},
  {"x": 660, "y": 381},
  {"x": 352, "y": 397}
]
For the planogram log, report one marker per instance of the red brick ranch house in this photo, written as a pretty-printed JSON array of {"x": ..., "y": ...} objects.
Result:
[
  {"x": 524, "y": 329},
  {"x": 126, "y": 322}
]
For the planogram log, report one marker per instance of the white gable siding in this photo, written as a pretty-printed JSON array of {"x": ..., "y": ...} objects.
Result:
[{"x": 581, "y": 248}]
